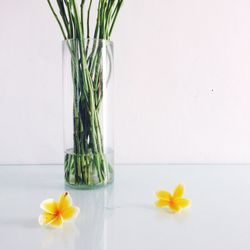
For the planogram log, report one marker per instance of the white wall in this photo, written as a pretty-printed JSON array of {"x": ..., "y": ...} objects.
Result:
[{"x": 182, "y": 76}]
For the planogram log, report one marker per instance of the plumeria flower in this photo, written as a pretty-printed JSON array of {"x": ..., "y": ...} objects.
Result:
[
  {"x": 175, "y": 202},
  {"x": 56, "y": 212}
]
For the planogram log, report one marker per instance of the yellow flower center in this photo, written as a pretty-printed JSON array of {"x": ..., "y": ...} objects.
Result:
[
  {"x": 57, "y": 213},
  {"x": 171, "y": 203}
]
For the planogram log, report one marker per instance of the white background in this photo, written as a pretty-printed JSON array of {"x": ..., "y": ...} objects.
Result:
[{"x": 182, "y": 81}]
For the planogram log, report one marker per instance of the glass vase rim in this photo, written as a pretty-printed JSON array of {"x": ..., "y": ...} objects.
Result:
[{"x": 103, "y": 41}]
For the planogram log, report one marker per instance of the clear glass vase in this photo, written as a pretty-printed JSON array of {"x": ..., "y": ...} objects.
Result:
[{"x": 88, "y": 112}]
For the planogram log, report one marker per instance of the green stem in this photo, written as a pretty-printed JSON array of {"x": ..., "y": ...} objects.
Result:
[
  {"x": 57, "y": 19},
  {"x": 115, "y": 14},
  {"x": 88, "y": 17}
]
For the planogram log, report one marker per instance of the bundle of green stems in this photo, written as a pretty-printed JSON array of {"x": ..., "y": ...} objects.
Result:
[{"x": 86, "y": 164}]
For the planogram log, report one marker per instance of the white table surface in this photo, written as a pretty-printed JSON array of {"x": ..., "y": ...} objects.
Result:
[{"x": 122, "y": 216}]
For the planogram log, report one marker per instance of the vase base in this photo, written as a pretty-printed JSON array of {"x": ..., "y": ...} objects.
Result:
[
  {"x": 88, "y": 171},
  {"x": 88, "y": 187}
]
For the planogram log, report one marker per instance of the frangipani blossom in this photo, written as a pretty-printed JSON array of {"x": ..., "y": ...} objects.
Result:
[
  {"x": 56, "y": 212},
  {"x": 175, "y": 202}
]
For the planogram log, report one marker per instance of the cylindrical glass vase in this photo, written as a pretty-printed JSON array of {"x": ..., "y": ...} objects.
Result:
[{"x": 88, "y": 112}]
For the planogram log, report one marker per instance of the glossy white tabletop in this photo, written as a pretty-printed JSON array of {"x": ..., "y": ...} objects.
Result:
[{"x": 123, "y": 216}]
